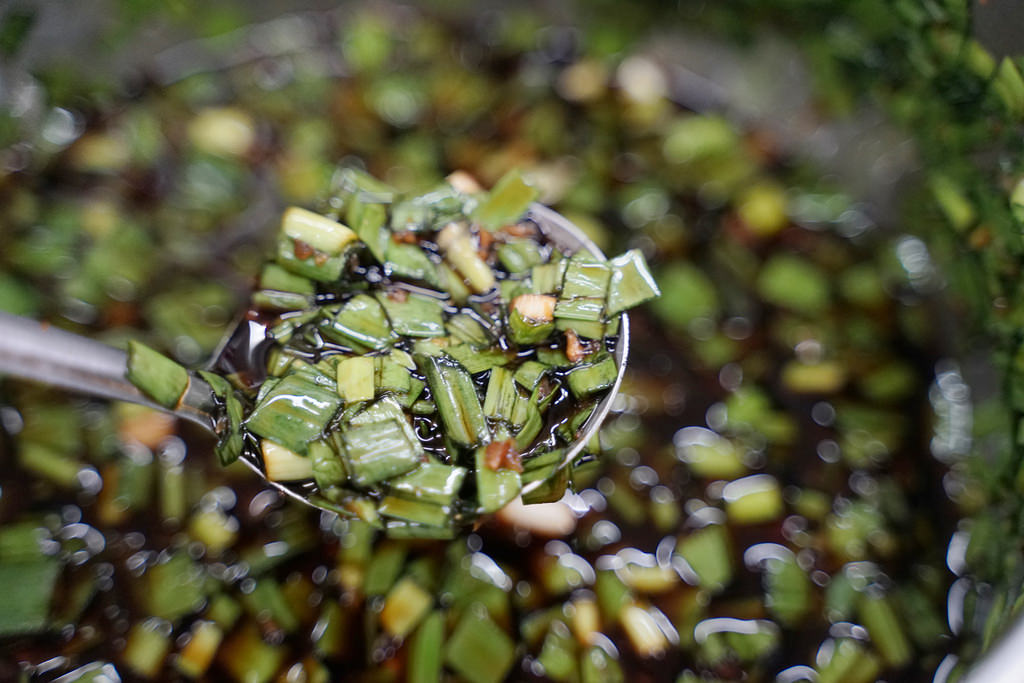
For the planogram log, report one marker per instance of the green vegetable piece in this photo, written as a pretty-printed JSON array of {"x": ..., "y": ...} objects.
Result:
[
  {"x": 546, "y": 467},
  {"x": 847, "y": 662},
  {"x": 478, "y": 360},
  {"x": 528, "y": 331},
  {"x": 174, "y": 588},
  {"x": 461, "y": 252},
  {"x": 306, "y": 263},
  {"x": 269, "y": 300},
  {"x": 507, "y": 202},
  {"x": 330, "y": 634},
  {"x": 788, "y": 589},
  {"x": 25, "y": 608},
  {"x": 501, "y": 396},
  {"x": 277, "y": 278},
  {"x": 414, "y": 512},
  {"x": 361, "y": 323},
  {"x": 753, "y": 500},
  {"x": 597, "y": 666},
  {"x": 146, "y": 648},
  {"x": 356, "y": 378},
  {"x": 457, "y": 402},
  {"x": 368, "y": 220},
  {"x": 494, "y": 488},
  {"x": 881, "y": 619},
  {"x": 586, "y": 309},
  {"x": 594, "y": 375},
  {"x": 379, "y": 450},
  {"x": 283, "y": 464},
  {"x": 410, "y": 216},
  {"x": 479, "y": 650},
  {"x": 267, "y": 602},
  {"x": 247, "y": 657},
  {"x": 520, "y": 255},
  {"x": 430, "y": 482},
  {"x": 230, "y": 441},
  {"x": 631, "y": 282},
  {"x": 156, "y": 375},
  {"x": 529, "y": 374},
  {"x": 406, "y": 604},
  {"x": 415, "y": 316},
  {"x": 468, "y": 330},
  {"x": 294, "y": 412},
  {"x": 558, "y": 653},
  {"x": 795, "y": 283},
  {"x": 426, "y": 650},
  {"x": 709, "y": 554},
  {"x": 547, "y": 278},
  {"x": 384, "y": 567},
  {"x": 392, "y": 376},
  {"x": 319, "y": 232},
  {"x": 410, "y": 262},
  {"x": 585, "y": 279},
  {"x": 328, "y": 466}
]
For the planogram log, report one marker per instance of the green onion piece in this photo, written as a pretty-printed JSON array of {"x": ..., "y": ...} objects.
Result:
[
  {"x": 546, "y": 467},
  {"x": 213, "y": 529},
  {"x": 328, "y": 466},
  {"x": 360, "y": 323},
  {"x": 590, "y": 329},
  {"x": 529, "y": 374},
  {"x": 753, "y": 500},
  {"x": 384, "y": 567},
  {"x": 247, "y": 657},
  {"x": 277, "y": 278},
  {"x": 558, "y": 653},
  {"x": 555, "y": 357},
  {"x": 506, "y": 203},
  {"x": 267, "y": 603},
  {"x": 479, "y": 650},
  {"x": 585, "y": 278},
  {"x": 459, "y": 250},
  {"x": 303, "y": 260},
  {"x": 425, "y": 650},
  {"x": 410, "y": 216},
  {"x": 531, "y": 318},
  {"x": 450, "y": 281},
  {"x": 406, "y": 604},
  {"x": 410, "y": 262},
  {"x": 379, "y": 444},
  {"x": 547, "y": 278},
  {"x": 270, "y": 300},
  {"x": 399, "y": 529},
  {"x": 519, "y": 256},
  {"x": 788, "y": 590},
  {"x": 631, "y": 282},
  {"x": 709, "y": 555},
  {"x": 584, "y": 309},
  {"x": 356, "y": 378},
  {"x": 641, "y": 627},
  {"x": 280, "y": 463},
  {"x": 330, "y": 634},
  {"x": 229, "y": 438},
  {"x": 368, "y": 221},
  {"x": 612, "y": 594},
  {"x": 351, "y": 184},
  {"x": 414, "y": 512},
  {"x": 415, "y": 316},
  {"x": 468, "y": 330},
  {"x": 597, "y": 666},
  {"x": 501, "y": 395},
  {"x": 223, "y": 611},
  {"x": 52, "y": 465},
  {"x": 494, "y": 488},
  {"x": 430, "y": 482},
  {"x": 475, "y": 361},
  {"x": 197, "y": 655},
  {"x": 26, "y": 608},
  {"x": 147, "y": 646},
  {"x": 156, "y": 375},
  {"x": 174, "y": 588},
  {"x": 457, "y": 402},
  {"x": 596, "y": 374},
  {"x": 527, "y": 416},
  {"x": 848, "y": 662},
  {"x": 294, "y": 412},
  {"x": 880, "y": 618},
  {"x": 392, "y": 376},
  {"x": 320, "y": 232}
]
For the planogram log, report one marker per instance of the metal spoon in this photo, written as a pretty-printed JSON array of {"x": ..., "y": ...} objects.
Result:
[{"x": 39, "y": 352}]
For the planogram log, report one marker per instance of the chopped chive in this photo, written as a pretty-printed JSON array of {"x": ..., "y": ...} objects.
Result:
[
  {"x": 547, "y": 278},
  {"x": 283, "y": 464},
  {"x": 460, "y": 252},
  {"x": 590, "y": 329},
  {"x": 597, "y": 666},
  {"x": 229, "y": 438},
  {"x": 458, "y": 405},
  {"x": 303, "y": 260},
  {"x": 410, "y": 216},
  {"x": 475, "y": 361},
  {"x": 328, "y": 467},
  {"x": 501, "y": 394},
  {"x": 294, "y": 412},
  {"x": 360, "y": 323},
  {"x": 147, "y": 646},
  {"x": 267, "y": 603},
  {"x": 384, "y": 567},
  {"x": 197, "y": 655},
  {"x": 156, "y": 375},
  {"x": 26, "y": 610},
  {"x": 394, "y": 377},
  {"x": 378, "y": 444},
  {"x": 425, "y": 652},
  {"x": 356, "y": 378},
  {"x": 631, "y": 282},
  {"x": 519, "y": 256},
  {"x": 506, "y": 203},
  {"x": 531, "y": 318},
  {"x": 406, "y": 604},
  {"x": 881, "y": 618},
  {"x": 331, "y": 631},
  {"x": 247, "y": 657},
  {"x": 466, "y": 329},
  {"x": 52, "y": 465},
  {"x": 847, "y": 661},
  {"x": 495, "y": 487},
  {"x": 707, "y": 551},
  {"x": 409, "y": 261},
  {"x": 643, "y": 631},
  {"x": 430, "y": 482},
  {"x": 368, "y": 220},
  {"x": 479, "y": 650},
  {"x": 583, "y": 309},
  {"x": 277, "y": 278},
  {"x": 415, "y": 315},
  {"x": 558, "y": 653},
  {"x": 320, "y": 232},
  {"x": 213, "y": 529},
  {"x": 529, "y": 374},
  {"x": 597, "y": 374},
  {"x": 270, "y": 300},
  {"x": 788, "y": 590},
  {"x": 753, "y": 500},
  {"x": 547, "y": 468}
]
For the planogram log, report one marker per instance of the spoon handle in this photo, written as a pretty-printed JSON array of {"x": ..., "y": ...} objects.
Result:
[{"x": 42, "y": 353}]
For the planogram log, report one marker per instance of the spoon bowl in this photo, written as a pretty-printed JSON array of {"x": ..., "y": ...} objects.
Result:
[{"x": 40, "y": 352}]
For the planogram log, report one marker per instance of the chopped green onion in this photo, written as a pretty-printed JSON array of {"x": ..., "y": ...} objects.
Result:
[
  {"x": 414, "y": 315},
  {"x": 360, "y": 323},
  {"x": 479, "y": 650},
  {"x": 506, "y": 203},
  {"x": 356, "y": 378},
  {"x": 156, "y": 375},
  {"x": 457, "y": 402}
]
